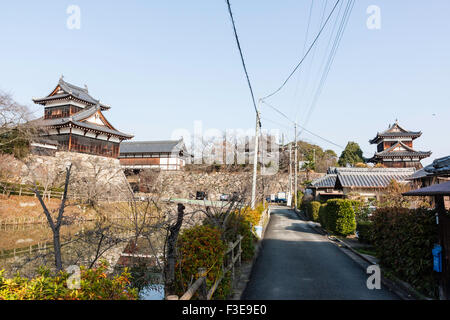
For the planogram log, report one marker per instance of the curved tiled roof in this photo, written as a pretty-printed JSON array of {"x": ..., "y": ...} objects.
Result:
[
  {"x": 409, "y": 152},
  {"x": 365, "y": 177},
  {"x": 327, "y": 181},
  {"x": 76, "y": 120},
  {"x": 74, "y": 91},
  {"x": 370, "y": 179},
  {"x": 395, "y": 131},
  {"x": 439, "y": 166},
  {"x": 151, "y": 146}
]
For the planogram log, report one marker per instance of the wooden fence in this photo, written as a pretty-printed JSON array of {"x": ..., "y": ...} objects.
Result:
[
  {"x": 23, "y": 221},
  {"x": 8, "y": 189},
  {"x": 232, "y": 255},
  {"x": 12, "y": 253}
]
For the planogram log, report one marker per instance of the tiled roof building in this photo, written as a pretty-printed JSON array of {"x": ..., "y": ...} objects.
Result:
[
  {"x": 164, "y": 155},
  {"x": 395, "y": 148},
  {"x": 368, "y": 182},
  {"x": 75, "y": 120}
]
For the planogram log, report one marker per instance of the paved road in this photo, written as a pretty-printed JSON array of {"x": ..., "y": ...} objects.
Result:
[{"x": 297, "y": 263}]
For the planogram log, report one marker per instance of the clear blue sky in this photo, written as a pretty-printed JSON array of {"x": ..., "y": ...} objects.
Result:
[{"x": 161, "y": 65}]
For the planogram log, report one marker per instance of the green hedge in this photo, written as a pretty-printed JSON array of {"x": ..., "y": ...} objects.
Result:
[
  {"x": 403, "y": 239},
  {"x": 323, "y": 215},
  {"x": 364, "y": 229},
  {"x": 340, "y": 217},
  {"x": 313, "y": 210},
  {"x": 300, "y": 202},
  {"x": 357, "y": 208},
  {"x": 239, "y": 225}
]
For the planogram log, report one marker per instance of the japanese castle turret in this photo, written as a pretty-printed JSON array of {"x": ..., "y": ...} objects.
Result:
[
  {"x": 395, "y": 148},
  {"x": 74, "y": 120}
]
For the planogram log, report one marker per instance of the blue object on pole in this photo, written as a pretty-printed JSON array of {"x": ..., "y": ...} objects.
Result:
[{"x": 437, "y": 258}]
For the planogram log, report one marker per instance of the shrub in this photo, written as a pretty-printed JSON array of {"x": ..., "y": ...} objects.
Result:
[
  {"x": 300, "y": 201},
  {"x": 94, "y": 285},
  {"x": 357, "y": 208},
  {"x": 364, "y": 229},
  {"x": 251, "y": 216},
  {"x": 313, "y": 210},
  {"x": 238, "y": 225},
  {"x": 200, "y": 247},
  {"x": 323, "y": 215},
  {"x": 403, "y": 239},
  {"x": 340, "y": 217},
  {"x": 254, "y": 216}
]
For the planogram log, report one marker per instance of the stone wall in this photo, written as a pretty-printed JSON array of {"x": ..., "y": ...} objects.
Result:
[
  {"x": 90, "y": 174},
  {"x": 95, "y": 174},
  {"x": 184, "y": 184}
]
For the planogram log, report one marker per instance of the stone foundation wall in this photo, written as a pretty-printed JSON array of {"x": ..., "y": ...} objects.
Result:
[
  {"x": 182, "y": 184},
  {"x": 91, "y": 175}
]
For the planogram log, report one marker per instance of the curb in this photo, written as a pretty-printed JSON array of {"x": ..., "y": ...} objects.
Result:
[{"x": 402, "y": 289}]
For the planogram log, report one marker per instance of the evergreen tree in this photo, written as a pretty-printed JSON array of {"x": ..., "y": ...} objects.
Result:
[{"x": 351, "y": 155}]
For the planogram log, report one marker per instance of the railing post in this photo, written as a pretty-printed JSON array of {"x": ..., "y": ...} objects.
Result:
[
  {"x": 230, "y": 245},
  {"x": 203, "y": 290},
  {"x": 240, "y": 250}
]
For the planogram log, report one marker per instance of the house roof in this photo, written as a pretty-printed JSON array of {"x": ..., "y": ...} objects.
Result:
[
  {"x": 70, "y": 90},
  {"x": 441, "y": 189},
  {"x": 364, "y": 177},
  {"x": 439, "y": 166},
  {"x": 405, "y": 152},
  {"x": 327, "y": 181},
  {"x": 421, "y": 173},
  {"x": 152, "y": 146},
  {"x": 337, "y": 170},
  {"x": 395, "y": 131},
  {"x": 77, "y": 120}
]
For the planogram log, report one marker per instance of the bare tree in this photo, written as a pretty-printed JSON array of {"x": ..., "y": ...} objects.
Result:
[
  {"x": 55, "y": 225},
  {"x": 15, "y": 132},
  {"x": 7, "y": 172}
]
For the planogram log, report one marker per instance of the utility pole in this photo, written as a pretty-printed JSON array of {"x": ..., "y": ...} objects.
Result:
[
  {"x": 255, "y": 161},
  {"x": 290, "y": 171},
  {"x": 295, "y": 167}
]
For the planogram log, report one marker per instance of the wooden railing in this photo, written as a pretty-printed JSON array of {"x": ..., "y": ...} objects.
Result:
[
  {"x": 12, "y": 253},
  {"x": 233, "y": 254}
]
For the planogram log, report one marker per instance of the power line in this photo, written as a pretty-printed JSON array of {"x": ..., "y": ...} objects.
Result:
[
  {"x": 331, "y": 58},
  {"x": 311, "y": 60},
  {"x": 305, "y": 42},
  {"x": 303, "y": 128},
  {"x": 243, "y": 61},
  {"x": 307, "y": 52},
  {"x": 277, "y": 110}
]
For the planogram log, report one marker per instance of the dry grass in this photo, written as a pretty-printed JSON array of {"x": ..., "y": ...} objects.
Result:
[{"x": 24, "y": 206}]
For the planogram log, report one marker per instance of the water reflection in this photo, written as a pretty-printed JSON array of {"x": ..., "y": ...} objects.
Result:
[{"x": 152, "y": 292}]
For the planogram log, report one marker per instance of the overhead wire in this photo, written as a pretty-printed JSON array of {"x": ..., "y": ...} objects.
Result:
[
  {"x": 331, "y": 58},
  {"x": 311, "y": 61},
  {"x": 242, "y": 60},
  {"x": 300, "y": 126},
  {"x": 299, "y": 78},
  {"x": 307, "y": 52}
]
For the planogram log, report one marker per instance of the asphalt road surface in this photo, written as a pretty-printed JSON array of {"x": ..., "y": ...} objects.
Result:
[{"x": 297, "y": 263}]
